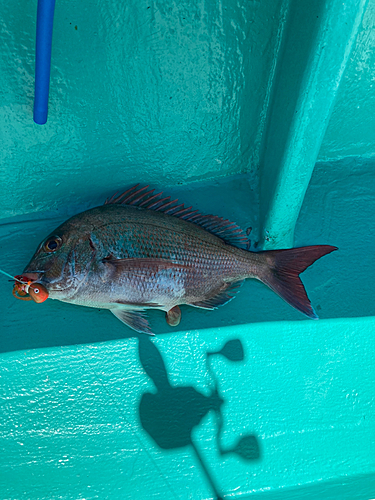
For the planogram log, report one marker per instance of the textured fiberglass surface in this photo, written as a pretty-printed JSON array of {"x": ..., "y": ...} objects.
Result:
[
  {"x": 175, "y": 111},
  {"x": 141, "y": 418},
  {"x": 179, "y": 92},
  {"x": 351, "y": 128},
  {"x": 341, "y": 214},
  {"x": 170, "y": 93},
  {"x": 204, "y": 410}
]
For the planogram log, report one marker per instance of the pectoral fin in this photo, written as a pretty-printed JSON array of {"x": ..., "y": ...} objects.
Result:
[{"x": 134, "y": 319}]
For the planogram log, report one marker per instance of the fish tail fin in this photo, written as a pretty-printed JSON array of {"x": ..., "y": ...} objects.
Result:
[{"x": 282, "y": 271}]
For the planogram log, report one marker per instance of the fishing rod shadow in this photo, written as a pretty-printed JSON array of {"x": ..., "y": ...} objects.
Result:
[{"x": 170, "y": 415}]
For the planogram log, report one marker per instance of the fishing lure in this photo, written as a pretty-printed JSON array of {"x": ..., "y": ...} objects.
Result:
[{"x": 25, "y": 289}]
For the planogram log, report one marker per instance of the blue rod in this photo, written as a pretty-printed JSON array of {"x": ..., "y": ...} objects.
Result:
[{"x": 44, "y": 25}]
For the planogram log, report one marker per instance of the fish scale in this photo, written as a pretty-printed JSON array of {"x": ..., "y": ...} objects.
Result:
[
  {"x": 181, "y": 249},
  {"x": 141, "y": 251}
]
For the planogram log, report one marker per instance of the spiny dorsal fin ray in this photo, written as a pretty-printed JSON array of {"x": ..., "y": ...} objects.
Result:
[{"x": 140, "y": 197}]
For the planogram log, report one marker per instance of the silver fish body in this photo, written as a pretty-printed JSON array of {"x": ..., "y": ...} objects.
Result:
[{"x": 130, "y": 255}]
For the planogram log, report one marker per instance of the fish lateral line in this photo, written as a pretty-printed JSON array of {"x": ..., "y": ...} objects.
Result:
[{"x": 143, "y": 264}]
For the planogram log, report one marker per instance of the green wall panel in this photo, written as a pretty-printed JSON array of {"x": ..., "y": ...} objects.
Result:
[
  {"x": 174, "y": 91},
  {"x": 159, "y": 91},
  {"x": 338, "y": 210},
  {"x": 352, "y": 125},
  {"x": 71, "y": 414}
]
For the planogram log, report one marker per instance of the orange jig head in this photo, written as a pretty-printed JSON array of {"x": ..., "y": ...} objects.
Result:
[
  {"x": 38, "y": 292},
  {"x": 28, "y": 290}
]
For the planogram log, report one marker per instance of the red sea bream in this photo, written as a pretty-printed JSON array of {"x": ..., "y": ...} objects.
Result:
[{"x": 141, "y": 251}]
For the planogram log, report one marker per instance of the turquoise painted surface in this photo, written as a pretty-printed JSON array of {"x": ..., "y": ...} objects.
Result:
[
  {"x": 175, "y": 91},
  {"x": 157, "y": 91},
  {"x": 351, "y": 128},
  {"x": 314, "y": 51},
  {"x": 171, "y": 94},
  {"x": 340, "y": 285},
  {"x": 74, "y": 422},
  {"x": 303, "y": 392}
]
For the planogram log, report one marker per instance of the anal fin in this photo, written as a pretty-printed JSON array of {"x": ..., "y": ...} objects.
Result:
[
  {"x": 134, "y": 319},
  {"x": 219, "y": 298}
]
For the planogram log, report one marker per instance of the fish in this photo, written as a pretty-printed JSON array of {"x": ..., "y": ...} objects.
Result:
[{"x": 141, "y": 251}]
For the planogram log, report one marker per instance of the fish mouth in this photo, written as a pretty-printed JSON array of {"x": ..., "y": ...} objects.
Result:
[
  {"x": 51, "y": 285},
  {"x": 32, "y": 276}
]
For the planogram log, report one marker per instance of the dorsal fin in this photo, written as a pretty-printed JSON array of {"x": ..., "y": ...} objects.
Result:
[{"x": 223, "y": 228}]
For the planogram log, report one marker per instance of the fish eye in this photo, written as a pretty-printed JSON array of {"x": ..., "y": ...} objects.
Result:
[{"x": 52, "y": 244}]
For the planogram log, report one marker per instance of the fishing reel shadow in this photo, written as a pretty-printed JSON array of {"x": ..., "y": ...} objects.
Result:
[
  {"x": 55, "y": 324},
  {"x": 170, "y": 415}
]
